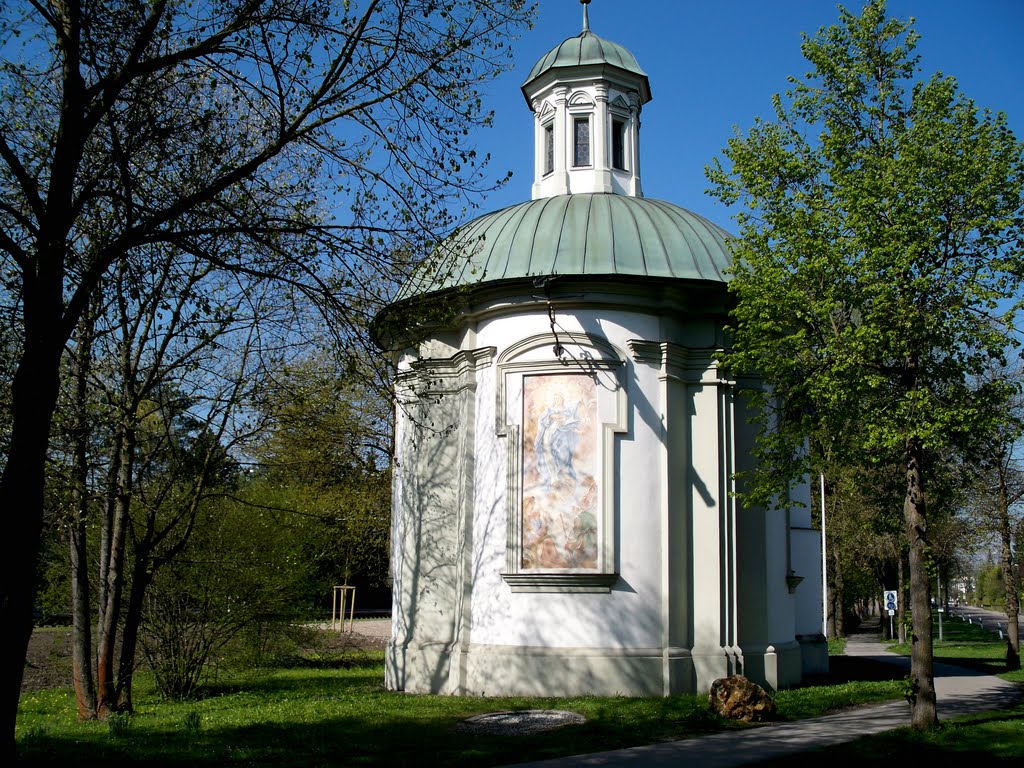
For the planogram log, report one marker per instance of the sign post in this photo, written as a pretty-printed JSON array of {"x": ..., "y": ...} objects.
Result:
[{"x": 889, "y": 598}]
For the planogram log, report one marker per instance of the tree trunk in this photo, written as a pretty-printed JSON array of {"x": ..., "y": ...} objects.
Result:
[
  {"x": 902, "y": 602},
  {"x": 1010, "y": 581},
  {"x": 81, "y": 623},
  {"x": 22, "y": 489},
  {"x": 33, "y": 401},
  {"x": 142, "y": 574},
  {"x": 836, "y": 619},
  {"x": 106, "y": 532},
  {"x": 47, "y": 325},
  {"x": 923, "y": 703},
  {"x": 81, "y": 615},
  {"x": 113, "y": 577}
]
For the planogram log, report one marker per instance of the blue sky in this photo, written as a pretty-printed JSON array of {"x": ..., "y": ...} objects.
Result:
[{"x": 714, "y": 64}]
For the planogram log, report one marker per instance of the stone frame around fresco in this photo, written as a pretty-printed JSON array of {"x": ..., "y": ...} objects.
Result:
[{"x": 533, "y": 356}]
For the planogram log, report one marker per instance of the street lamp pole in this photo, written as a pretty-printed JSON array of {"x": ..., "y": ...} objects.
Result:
[{"x": 824, "y": 566}]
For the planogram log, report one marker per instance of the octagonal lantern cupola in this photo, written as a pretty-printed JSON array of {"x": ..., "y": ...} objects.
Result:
[{"x": 586, "y": 95}]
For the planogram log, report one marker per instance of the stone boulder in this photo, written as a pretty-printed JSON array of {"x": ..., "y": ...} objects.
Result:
[{"x": 739, "y": 698}]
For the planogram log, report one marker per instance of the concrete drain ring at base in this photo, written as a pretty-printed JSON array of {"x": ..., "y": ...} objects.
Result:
[{"x": 515, "y": 722}]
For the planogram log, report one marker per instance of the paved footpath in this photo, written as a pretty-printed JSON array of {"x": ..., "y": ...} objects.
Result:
[{"x": 960, "y": 691}]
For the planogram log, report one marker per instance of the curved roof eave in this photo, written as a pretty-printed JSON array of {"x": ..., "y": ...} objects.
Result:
[{"x": 419, "y": 315}]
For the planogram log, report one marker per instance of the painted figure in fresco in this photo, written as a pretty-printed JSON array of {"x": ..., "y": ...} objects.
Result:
[
  {"x": 557, "y": 438},
  {"x": 581, "y": 546},
  {"x": 540, "y": 550}
]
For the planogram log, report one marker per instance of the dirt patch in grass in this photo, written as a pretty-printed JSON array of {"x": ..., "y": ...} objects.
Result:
[{"x": 48, "y": 662}]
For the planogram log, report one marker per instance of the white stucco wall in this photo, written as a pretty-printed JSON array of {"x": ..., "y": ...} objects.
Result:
[{"x": 625, "y": 617}]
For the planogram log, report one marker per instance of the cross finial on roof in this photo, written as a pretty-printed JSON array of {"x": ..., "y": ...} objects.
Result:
[{"x": 586, "y": 18}]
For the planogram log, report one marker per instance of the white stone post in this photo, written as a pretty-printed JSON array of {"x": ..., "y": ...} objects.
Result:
[
  {"x": 636, "y": 189},
  {"x": 601, "y": 150},
  {"x": 563, "y": 142}
]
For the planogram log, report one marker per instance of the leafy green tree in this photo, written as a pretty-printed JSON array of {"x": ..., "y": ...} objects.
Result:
[
  {"x": 864, "y": 545},
  {"x": 878, "y": 252},
  {"x": 159, "y": 371},
  {"x": 312, "y": 512},
  {"x": 325, "y": 458},
  {"x": 996, "y": 502},
  {"x": 127, "y": 124},
  {"x": 990, "y": 590}
]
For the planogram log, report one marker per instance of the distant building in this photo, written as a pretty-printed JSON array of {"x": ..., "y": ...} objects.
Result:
[{"x": 564, "y": 518}]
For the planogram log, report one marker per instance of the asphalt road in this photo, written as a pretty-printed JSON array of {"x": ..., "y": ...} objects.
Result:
[{"x": 987, "y": 617}]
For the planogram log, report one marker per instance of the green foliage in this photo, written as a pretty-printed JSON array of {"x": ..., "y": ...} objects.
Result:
[
  {"x": 864, "y": 531},
  {"x": 266, "y": 551},
  {"x": 53, "y": 597},
  {"x": 119, "y": 725},
  {"x": 989, "y": 587},
  {"x": 192, "y": 723},
  {"x": 323, "y": 463},
  {"x": 195, "y": 168},
  {"x": 218, "y": 604},
  {"x": 879, "y": 249},
  {"x": 876, "y": 276}
]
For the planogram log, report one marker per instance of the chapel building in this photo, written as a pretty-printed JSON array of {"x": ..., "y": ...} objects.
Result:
[{"x": 564, "y": 511}]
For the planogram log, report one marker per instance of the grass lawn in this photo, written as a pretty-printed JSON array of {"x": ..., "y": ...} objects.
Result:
[
  {"x": 337, "y": 712},
  {"x": 994, "y": 738}
]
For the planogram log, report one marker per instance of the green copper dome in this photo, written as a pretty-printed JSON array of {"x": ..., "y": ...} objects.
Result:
[
  {"x": 579, "y": 235},
  {"x": 589, "y": 49}
]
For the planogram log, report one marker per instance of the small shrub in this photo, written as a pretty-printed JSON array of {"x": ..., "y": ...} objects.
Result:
[
  {"x": 910, "y": 689},
  {"x": 192, "y": 723},
  {"x": 34, "y": 739},
  {"x": 119, "y": 725}
]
